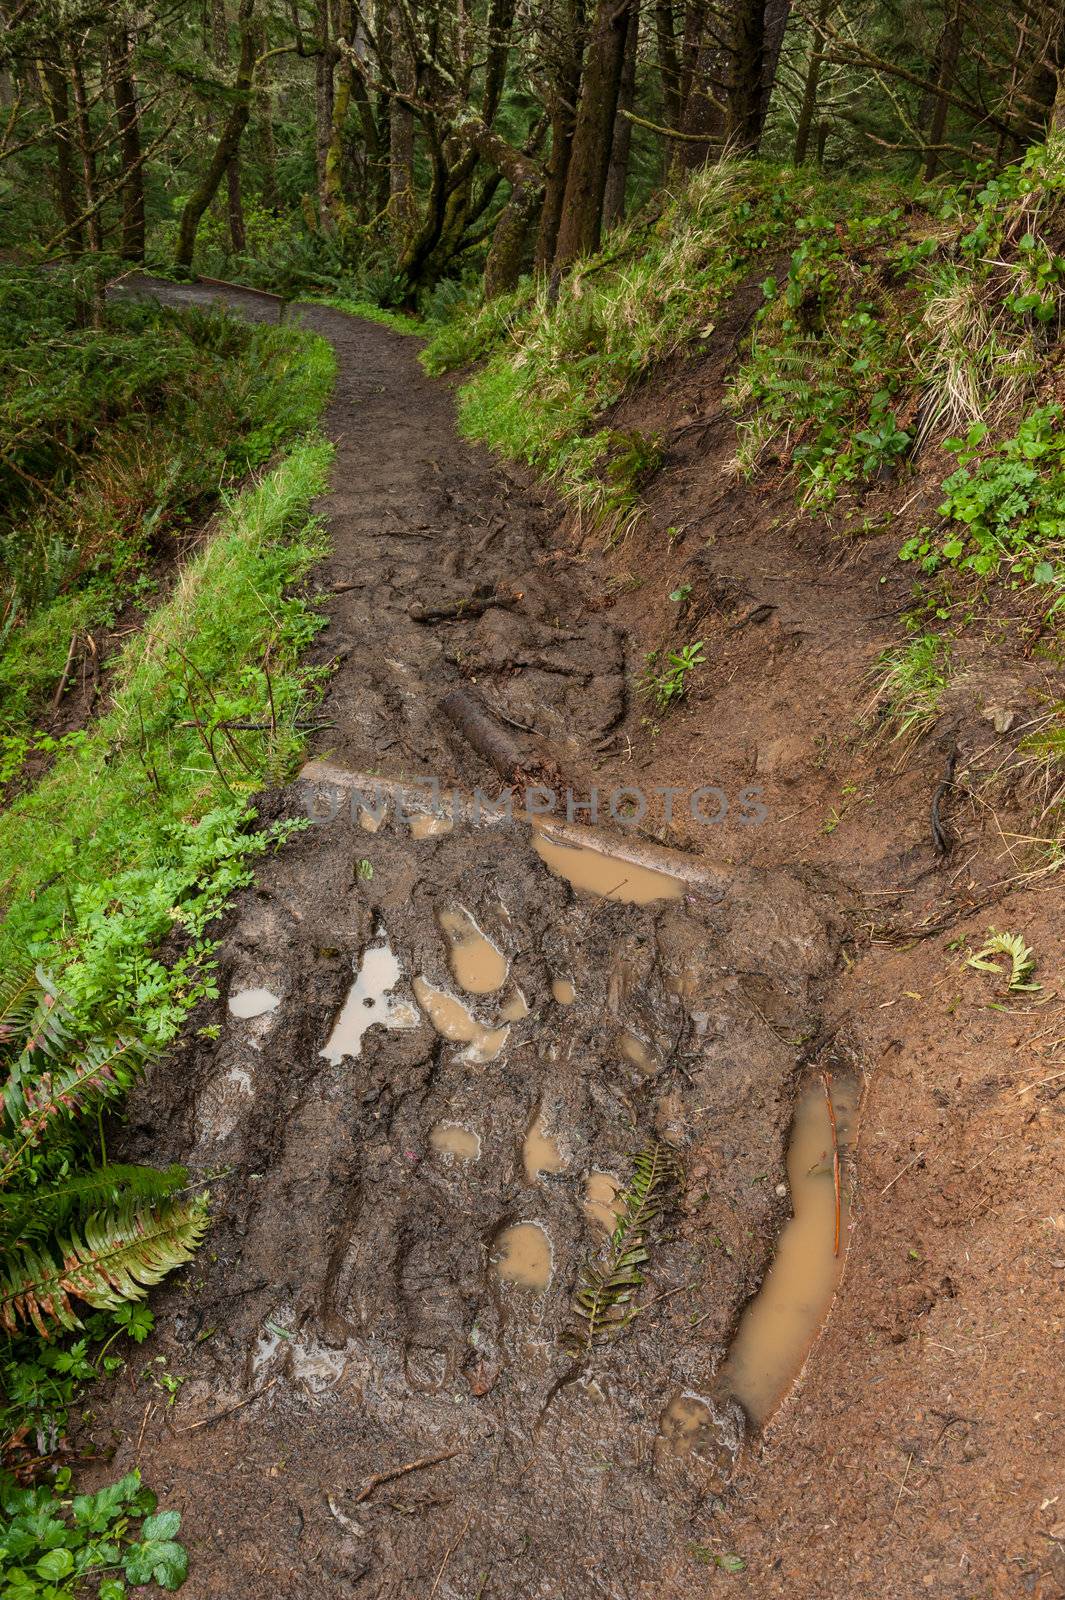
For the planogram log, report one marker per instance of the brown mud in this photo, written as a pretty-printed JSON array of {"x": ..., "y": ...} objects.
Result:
[{"x": 401, "y": 1214}]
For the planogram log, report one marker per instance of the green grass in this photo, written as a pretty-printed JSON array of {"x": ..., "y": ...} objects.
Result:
[
  {"x": 116, "y": 443},
  {"x": 398, "y": 321},
  {"x": 139, "y": 831},
  {"x": 911, "y": 680}
]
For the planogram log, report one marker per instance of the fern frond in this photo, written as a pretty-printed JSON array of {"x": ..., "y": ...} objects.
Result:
[
  {"x": 119, "y": 1255},
  {"x": 102, "y": 1071},
  {"x": 30, "y": 1214},
  {"x": 1021, "y": 959},
  {"x": 606, "y": 1288},
  {"x": 18, "y": 997}
]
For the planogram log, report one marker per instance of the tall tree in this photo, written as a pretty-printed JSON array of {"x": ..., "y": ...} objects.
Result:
[{"x": 582, "y": 208}]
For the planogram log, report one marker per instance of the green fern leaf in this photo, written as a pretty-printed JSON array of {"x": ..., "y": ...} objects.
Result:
[
  {"x": 102, "y": 1071},
  {"x": 606, "y": 1289},
  {"x": 119, "y": 1255},
  {"x": 33, "y": 1214}
]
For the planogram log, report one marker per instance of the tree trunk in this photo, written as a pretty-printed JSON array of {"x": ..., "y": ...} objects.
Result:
[
  {"x": 83, "y": 129},
  {"x": 402, "y": 208},
  {"x": 126, "y": 111},
  {"x": 947, "y": 60},
  {"x": 582, "y": 207},
  {"x": 227, "y": 149},
  {"x": 502, "y": 269},
  {"x": 234, "y": 202},
  {"x": 668, "y": 63},
  {"x": 335, "y": 215},
  {"x": 743, "y": 124},
  {"x": 267, "y": 145},
  {"x": 57, "y": 97},
  {"x": 775, "y": 27},
  {"x": 808, "y": 108},
  {"x": 565, "y": 94},
  {"x": 323, "y": 104},
  {"x": 618, "y": 171}
]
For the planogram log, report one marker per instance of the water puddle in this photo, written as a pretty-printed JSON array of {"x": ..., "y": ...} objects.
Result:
[
  {"x": 369, "y": 1003},
  {"x": 525, "y": 1256},
  {"x": 514, "y": 1009},
  {"x": 540, "y": 1152},
  {"x": 602, "y": 1206},
  {"x": 686, "y": 1423},
  {"x": 781, "y": 1323},
  {"x": 454, "y": 1022},
  {"x": 563, "y": 991},
  {"x": 452, "y": 1139},
  {"x": 636, "y": 1051},
  {"x": 478, "y": 966},
  {"x": 370, "y": 820},
  {"x": 252, "y": 1003},
  {"x": 317, "y": 1367},
  {"x": 608, "y": 877},
  {"x": 423, "y": 825}
]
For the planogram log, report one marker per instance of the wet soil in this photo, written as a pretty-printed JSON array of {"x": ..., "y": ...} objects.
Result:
[{"x": 401, "y": 1214}]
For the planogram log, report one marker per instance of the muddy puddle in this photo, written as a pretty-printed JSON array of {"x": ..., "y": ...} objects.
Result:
[
  {"x": 780, "y": 1325},
  {"x": 601, "y": 1204},
  {"x": 607, "y": 876},
  {"x": 540, "y": 1152},
  {"x": 478, "y": 965},
  {"x": 562, "y": 991},
  {"x": 370, "y": 1002},
  {"x": 523, "y": 1256},
  {"x": 245, "y": 1003},
  {"x": 453, "y": 1139},
  {"x": 456, "y": 1023}
]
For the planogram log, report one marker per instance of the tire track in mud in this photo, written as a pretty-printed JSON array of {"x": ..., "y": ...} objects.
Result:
[{"x": 347, "y": 1315}]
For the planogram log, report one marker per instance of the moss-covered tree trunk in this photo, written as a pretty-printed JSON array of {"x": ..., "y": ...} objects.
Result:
[
  {"x": 227, "y": 147},
  {"x": 582, "y": 207}
]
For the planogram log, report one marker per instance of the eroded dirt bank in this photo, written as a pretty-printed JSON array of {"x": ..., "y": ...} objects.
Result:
[{"x": 351, "y": 1313}]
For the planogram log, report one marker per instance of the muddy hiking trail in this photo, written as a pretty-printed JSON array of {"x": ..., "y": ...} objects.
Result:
[{"x": 447, "y": 1048}]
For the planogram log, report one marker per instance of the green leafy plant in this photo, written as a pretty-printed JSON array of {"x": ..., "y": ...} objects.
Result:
[
  {"x": 102, "y": 1235},
  {"x": 911, "y": 679},
  {"x": 666, "y": 688},
  {"x": 1005, "y": 505},
  {"x": 1019, "y": 958},
  {"x": 608, "y": 1283},
  {"x": 51, "y": 1545}
]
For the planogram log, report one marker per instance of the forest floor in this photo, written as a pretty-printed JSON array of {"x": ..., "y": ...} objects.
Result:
[{"x": 350, "y": 1391}]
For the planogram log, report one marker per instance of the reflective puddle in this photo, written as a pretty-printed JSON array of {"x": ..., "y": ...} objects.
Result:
[
  {"x": 453, "y": 1021},
  {"x": 524, "y": 1256},
  {"x": 601, "y": 1204},
  {"x": 540, "y": 1152},
  {"x": 606, "y": 876},
  {"x": 563, "y": 991},
  {"x": 369, "y": 1003},
  {"x": 781, "y": 1323},
  {"x": 252, "y": 1003},
  {"x": 478, "y": 966},
  {"x": 452, "y": 1139}
]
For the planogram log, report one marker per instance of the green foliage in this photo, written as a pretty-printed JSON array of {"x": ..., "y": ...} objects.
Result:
[
  {"x": 608, "y": 1282},
  {"x": 113, "y": 441},
  {"x": 828, "y": 358},
  {"x": 1019, "y": 956},
  {"x": 912, "y": 678},
  {"x": 559, "y": 356},
  {"x": 1005, "y": 506},
  {"x": 670, "y": 685},
  {"x": 51, "y": 1545}
]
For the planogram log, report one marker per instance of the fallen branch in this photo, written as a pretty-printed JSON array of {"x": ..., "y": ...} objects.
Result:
[{"x": 399, "y": 1472}]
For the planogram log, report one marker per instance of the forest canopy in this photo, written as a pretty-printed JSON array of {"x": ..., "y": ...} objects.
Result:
[{"x": 386, "y": 149}]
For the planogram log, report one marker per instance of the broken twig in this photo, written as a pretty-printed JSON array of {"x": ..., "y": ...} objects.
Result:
[{"x": 398, "y": 1472}]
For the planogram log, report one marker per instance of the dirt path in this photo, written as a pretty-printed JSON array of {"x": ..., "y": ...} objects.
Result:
[{"x": 352, "y": 1313}]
